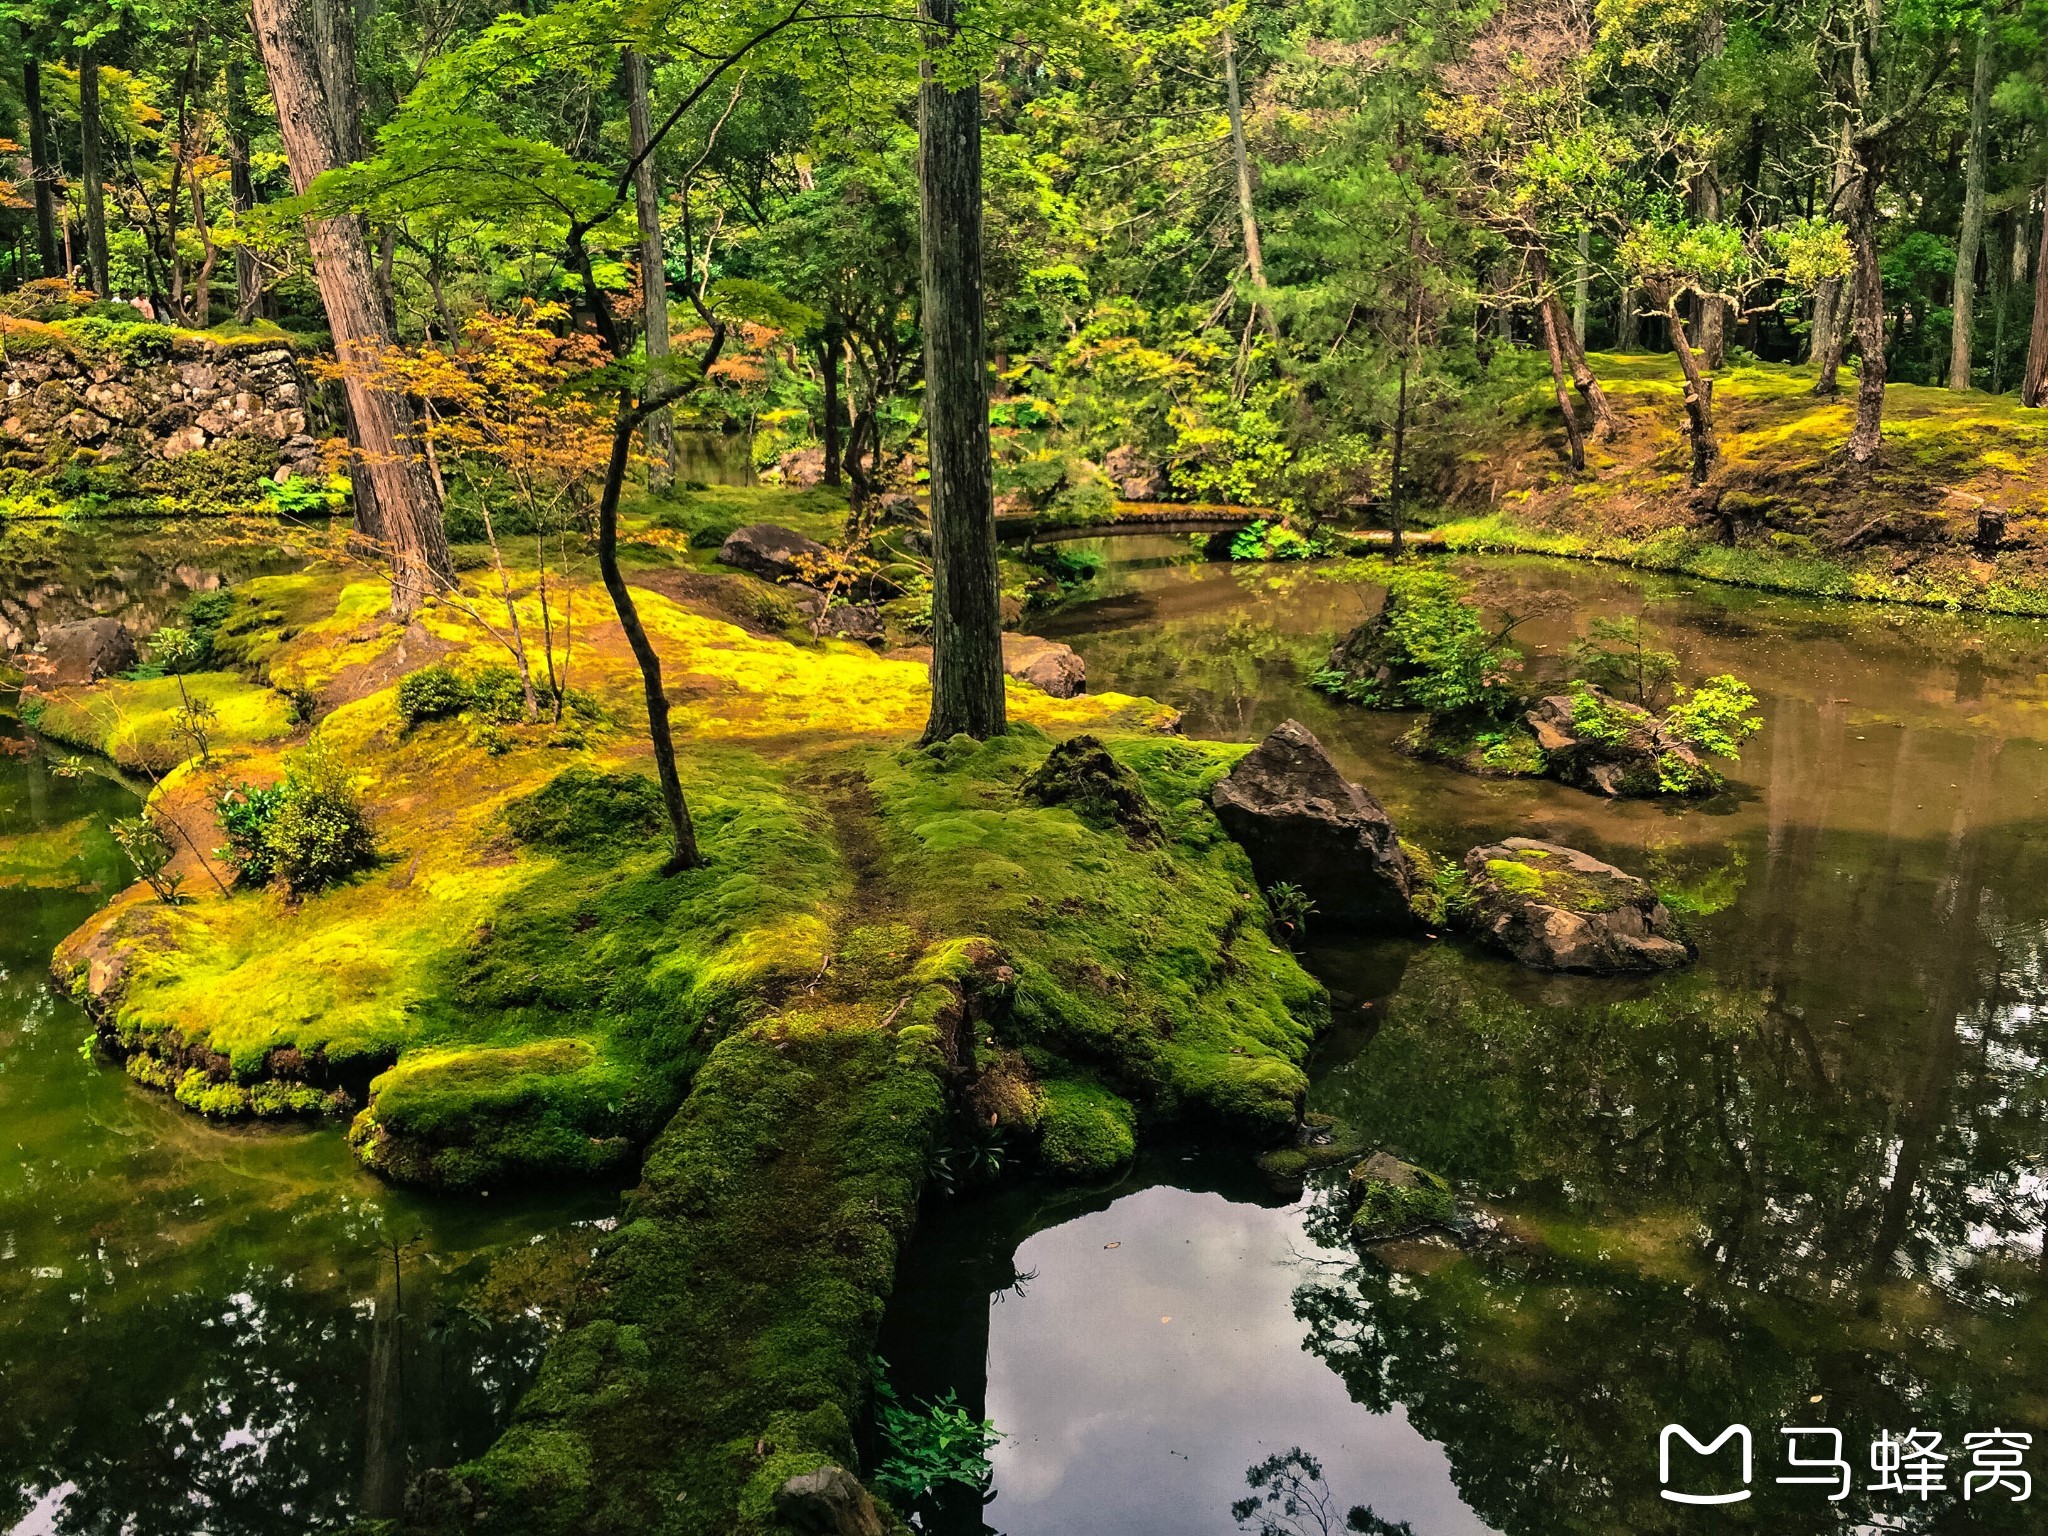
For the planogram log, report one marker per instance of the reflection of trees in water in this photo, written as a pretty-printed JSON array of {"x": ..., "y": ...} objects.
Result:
[
  {"x": 1816, "y": 1173},
  {"x": 1290, "y": 1497},
  {"x": 252, "y": 1408}
]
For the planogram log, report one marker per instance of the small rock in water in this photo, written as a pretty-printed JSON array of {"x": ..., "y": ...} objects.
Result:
[{"x": 1558, "y": 909}]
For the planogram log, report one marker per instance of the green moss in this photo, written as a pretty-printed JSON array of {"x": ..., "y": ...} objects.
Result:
[
  {"x": 580, "y": 809},
  {"x": 740, "y": 1297},
  {"x": 1391, "y": 1198},
  {"x": 135, "y": 722},
  {"x": 1086, "y": 1131}
]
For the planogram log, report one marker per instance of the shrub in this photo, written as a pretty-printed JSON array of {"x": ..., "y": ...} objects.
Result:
[
  {"x": 495, "y": 694},
  {"x": 245, "y": 813},
  {"x": 318, "y": 833},
  {"x": 432, "y": 693},
  {"x": 1430, "y": 643},
  {"x": 1715, "y": 717}
]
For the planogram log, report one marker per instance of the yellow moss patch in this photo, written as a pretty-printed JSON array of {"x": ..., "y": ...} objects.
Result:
[{"x": 135, "y": 723}]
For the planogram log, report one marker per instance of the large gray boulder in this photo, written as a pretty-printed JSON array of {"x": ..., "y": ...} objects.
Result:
[
  {"x": 1045, "y": 664},
  {"x": 768, "y": 549},
  {"x": 1558, "y": 909},
  {"x": 1303, "y": 822},
  {"x": 82, "y": 652}
]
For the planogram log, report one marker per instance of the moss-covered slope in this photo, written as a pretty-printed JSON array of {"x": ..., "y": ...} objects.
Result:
[{"x": 1954, "y": 514}]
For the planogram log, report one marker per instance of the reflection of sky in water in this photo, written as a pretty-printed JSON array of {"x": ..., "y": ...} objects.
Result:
[{"x": 1189, "y": 1316}]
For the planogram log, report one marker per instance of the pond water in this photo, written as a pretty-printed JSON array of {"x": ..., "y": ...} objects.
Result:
[
  {"x": 1800, "y": 1184},
  {"x": 216, "y": 1329}
]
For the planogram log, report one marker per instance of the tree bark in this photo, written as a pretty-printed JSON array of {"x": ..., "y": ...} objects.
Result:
[
  {"x": 1573, "y": 438},
  {"x": 1574, "y": 355},
  {"x": 967, "y": 623},
  {"x": 1971, "y": 234},
  {"x": 659, "y": 433},
  {"x": 1699, "y": 399},
  {"x": 1628, "y": 333},
  {"x": 2034, "y": 382},
  {"x": 1394, "y": 471},
  {"x": 309, "y": 53},
  {"x": 682, "y": 830},
  {"x": 1713, "y": 347},
  {"x": 1866, "y": 294},
  {"x": 42, "y": 167},
  {"x": 828, "y": 359},
  {"x": 1254, "y": 257},
  {"x": 90, "y": 170},
  {"x": 241, "y": 191},
  {"x": 1825, "y": 347},
  {"x": 1582, "y": 288}
]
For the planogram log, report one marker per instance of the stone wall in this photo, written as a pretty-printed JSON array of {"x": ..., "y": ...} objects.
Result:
[{"x": 179, "y": 396}]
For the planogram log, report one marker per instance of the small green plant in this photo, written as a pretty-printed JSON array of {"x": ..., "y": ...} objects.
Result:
[
  {"x": 195, "y": 720},
  {"x": 432, "y": 693},
  {"x": 149, "y": 849},
  {"x": 298, "y": 495},
  {"x": 1715, "y": 717},
  {"x": 1269, "y": 540},
  {"x": 1619, "y": 656},
  {"x": 319, "y": 832},
  {"x": 245, "y": 813},
  {"x": 927, "y": 1445},
  {"x": 1595, "y": 717},
  {"x": 1291, "y": 909}
]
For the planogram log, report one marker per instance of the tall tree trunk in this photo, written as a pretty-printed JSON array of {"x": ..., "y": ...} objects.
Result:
[
  {"x": 309, "y": 52},
  {"x": 1713, "y": 347},
  {"x": 967, "y": 620},
  {"x": 1582, "y": 287},
  {"x": 1394, "y": 470},
  {"x": 2034, "y": 382},
  {"x": 1628, "y": 328},
  {"x": 828, "y": 362},
  {"x": 1699, "y": 399},
  {"x": 1964, "y": 300},
  {"x": 659, "y": 433},
  {"x": 42, "y": 166},
  {"x": 1254, "y": 257},
  {"x": 241, "y": 191},
  {"x": 1866, "y": 294},
  {"x": 1574, "y": 355},
  {"x": 1546, "y": 313},
  {"x": 90, "y": 169}
]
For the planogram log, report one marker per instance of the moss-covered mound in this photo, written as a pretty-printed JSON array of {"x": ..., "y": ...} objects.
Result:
[
  {"x": 1955, "y": 514},
  {"x": 1390, "y": 1198},
  {"x": 885, "y": 949},
  {"x": 729, "y": 1350}
]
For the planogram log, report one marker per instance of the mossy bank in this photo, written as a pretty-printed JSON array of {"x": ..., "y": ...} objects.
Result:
[{"x": 893, "y": 964}]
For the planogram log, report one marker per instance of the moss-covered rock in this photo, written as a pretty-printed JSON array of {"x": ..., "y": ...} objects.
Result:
[
  {"x": 1080, "y": 774},
  {"x": 1390, "y": 1198},
  {"x": 1559, "y": 909},
  {"x": 1085, "y": 1130}
]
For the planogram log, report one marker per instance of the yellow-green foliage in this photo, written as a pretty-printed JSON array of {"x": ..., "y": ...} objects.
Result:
[
  {"x": 135, "y": 723},
  {"x": 1085, "y": 1130}
]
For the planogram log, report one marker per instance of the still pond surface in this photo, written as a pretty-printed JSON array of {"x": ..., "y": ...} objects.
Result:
[{"x": 1799, "y": 1184}]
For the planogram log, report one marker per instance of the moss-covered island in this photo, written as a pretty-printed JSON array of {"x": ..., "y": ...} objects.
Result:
[{"x": 894, "y": 964}]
